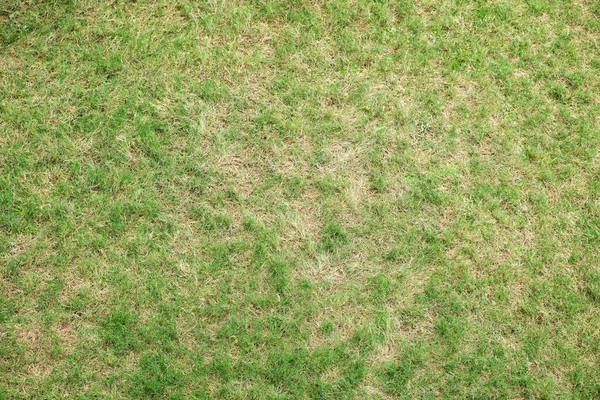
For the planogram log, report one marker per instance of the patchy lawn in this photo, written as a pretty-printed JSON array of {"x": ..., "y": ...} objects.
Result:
[{"x": 299, "y": 199}]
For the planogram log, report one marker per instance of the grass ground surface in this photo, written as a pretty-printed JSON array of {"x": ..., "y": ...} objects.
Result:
[{"x": 295, "y": 199}]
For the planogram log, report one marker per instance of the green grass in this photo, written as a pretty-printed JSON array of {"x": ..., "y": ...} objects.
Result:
[{"x": 294, "y": 199}]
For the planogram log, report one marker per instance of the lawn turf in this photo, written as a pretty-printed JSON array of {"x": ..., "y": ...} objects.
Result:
[{"x": 299, "y": 199}]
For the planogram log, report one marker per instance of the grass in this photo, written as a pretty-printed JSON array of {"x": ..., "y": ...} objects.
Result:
[{"x": 293, "y": 199}]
